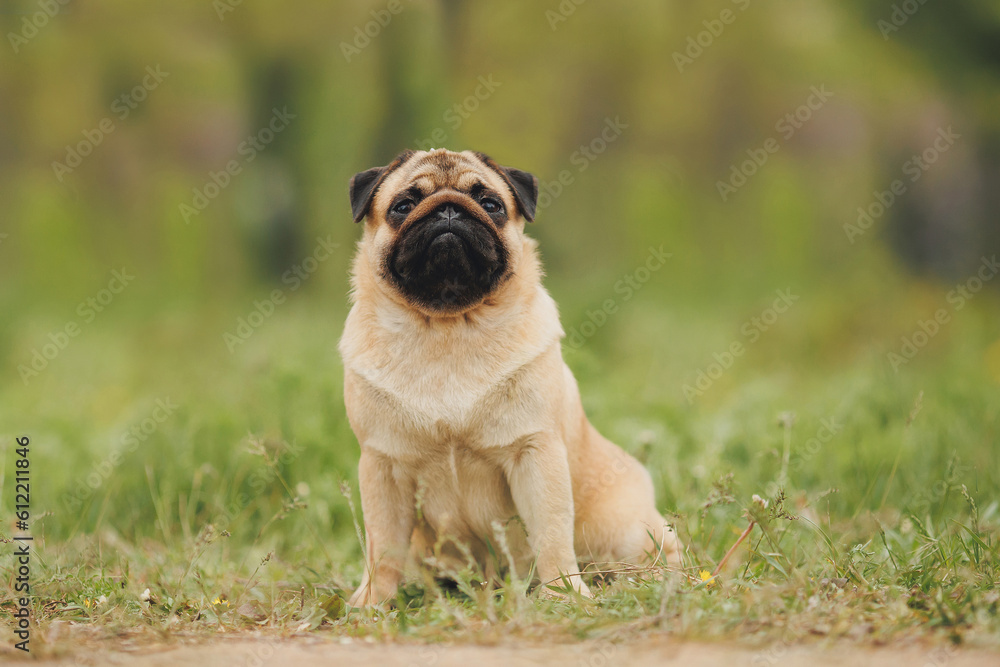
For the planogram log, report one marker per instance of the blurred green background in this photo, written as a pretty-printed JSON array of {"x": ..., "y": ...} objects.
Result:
[{"x": 630, "y": 114}]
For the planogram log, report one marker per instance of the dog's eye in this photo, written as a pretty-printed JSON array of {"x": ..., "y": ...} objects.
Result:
[
  {"x": 491, "y": 205},
  {"x": 403, "y": 207}
]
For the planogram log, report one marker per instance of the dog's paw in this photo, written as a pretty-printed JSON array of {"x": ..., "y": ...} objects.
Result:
[
  {"x": 360, "y": 598},
  {"x": 368, "y": 597},
  {"x": 557, "y": 590}
]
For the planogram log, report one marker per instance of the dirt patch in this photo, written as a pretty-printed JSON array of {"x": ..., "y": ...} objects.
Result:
[{"x": 321, "y": 652}]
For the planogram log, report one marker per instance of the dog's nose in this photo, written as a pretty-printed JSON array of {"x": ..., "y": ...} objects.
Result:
[{"x": 447, "y": 212}]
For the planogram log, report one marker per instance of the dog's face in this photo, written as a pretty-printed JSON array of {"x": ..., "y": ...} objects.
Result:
[{"x": 443, "y": 228}]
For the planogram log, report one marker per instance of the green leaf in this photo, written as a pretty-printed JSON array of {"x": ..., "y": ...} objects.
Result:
[
  {"x": 773, "y": 562},
  {"x": 333, "y": 607}
]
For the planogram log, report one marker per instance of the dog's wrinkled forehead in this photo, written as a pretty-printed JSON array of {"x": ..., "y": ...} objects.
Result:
[
  {"x": 427, "y": 172},
  {"x": 430, "y": 171}
]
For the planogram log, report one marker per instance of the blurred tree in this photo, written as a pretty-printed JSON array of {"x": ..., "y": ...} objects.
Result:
[
  {"x": 273, "y": 219},
  {"x": 951, "y": 216}
]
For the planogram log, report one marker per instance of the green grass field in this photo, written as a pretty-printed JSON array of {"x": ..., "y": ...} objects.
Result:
[{"x": 223, "y": 482}]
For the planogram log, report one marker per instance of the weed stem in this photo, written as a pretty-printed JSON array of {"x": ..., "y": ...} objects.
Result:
[{"x": 729, "y": 553}]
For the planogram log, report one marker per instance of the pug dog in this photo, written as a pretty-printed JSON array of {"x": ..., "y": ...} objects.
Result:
[{"x": 474, "y": 445}]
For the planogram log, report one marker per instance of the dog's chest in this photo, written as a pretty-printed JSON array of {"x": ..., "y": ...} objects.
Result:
[
  {"x": 413, "y": 386},
  {"x": 456, "y": 402},
  {"x": 440, "y": 384}
]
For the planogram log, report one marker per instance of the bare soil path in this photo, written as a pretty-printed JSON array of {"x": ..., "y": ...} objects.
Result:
[{"x": 321, "y": 652}]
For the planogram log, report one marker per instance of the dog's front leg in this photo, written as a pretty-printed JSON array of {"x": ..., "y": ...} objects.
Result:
[
  {"x": 539, "y": 478},
  {"x": 387, "y": 501}
]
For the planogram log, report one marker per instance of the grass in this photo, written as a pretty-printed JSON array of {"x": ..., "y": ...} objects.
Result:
[{"x": 233, "y": 513}]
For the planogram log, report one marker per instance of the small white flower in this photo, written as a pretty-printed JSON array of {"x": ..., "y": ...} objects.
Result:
[
  {"x": 101, "y": 600},
  {"x": 146, "y": 596},
  {"x": 757, "y": 500}
]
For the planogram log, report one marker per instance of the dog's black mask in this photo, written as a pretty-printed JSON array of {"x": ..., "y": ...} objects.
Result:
[{"x": 448, "y": 259}]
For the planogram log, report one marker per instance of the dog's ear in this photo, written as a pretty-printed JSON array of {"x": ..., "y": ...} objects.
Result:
[
  {"x": 523, "y": 186},
  {"x": 364, "y": 185}
]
